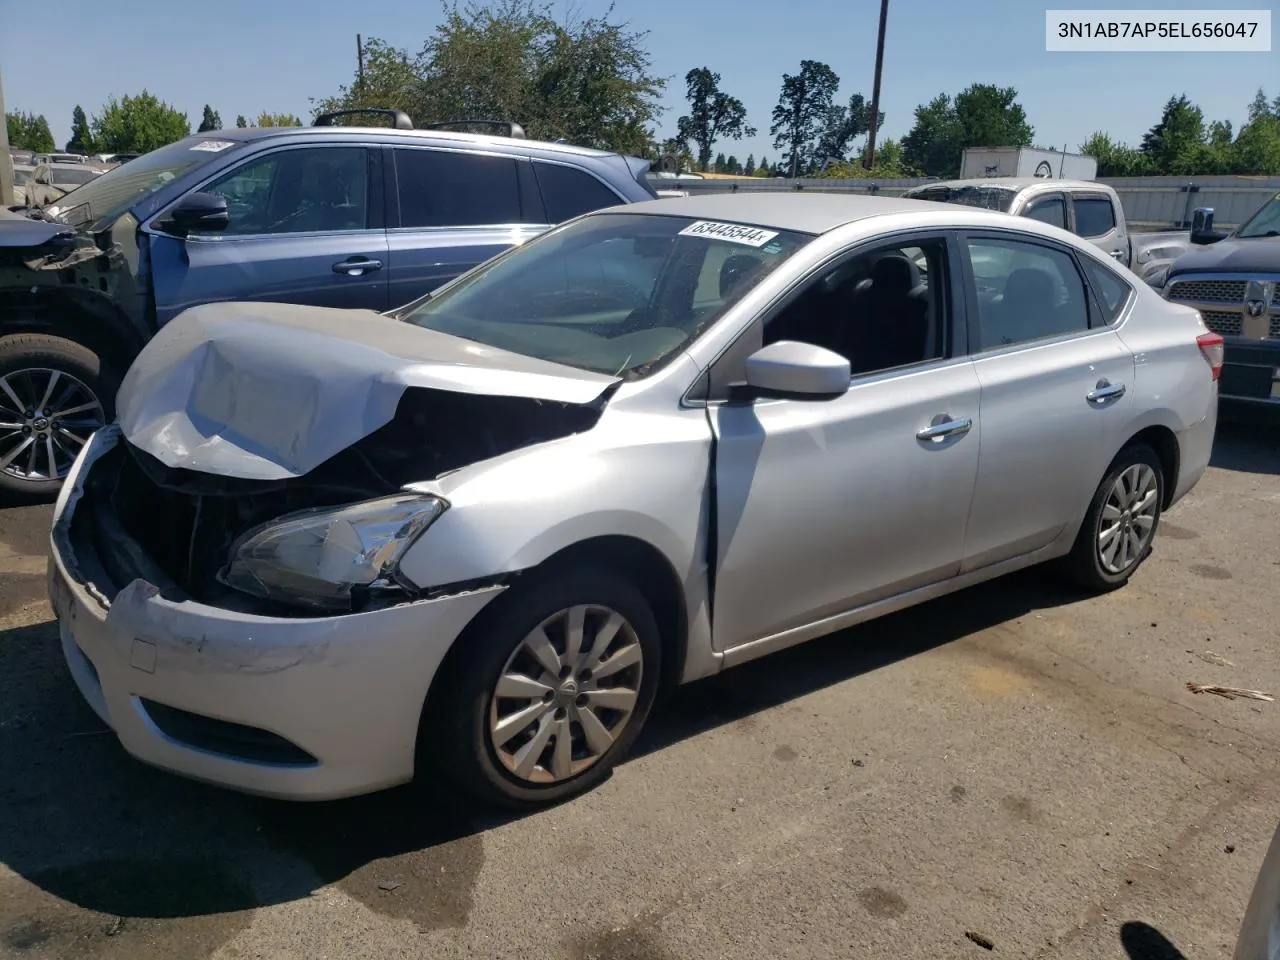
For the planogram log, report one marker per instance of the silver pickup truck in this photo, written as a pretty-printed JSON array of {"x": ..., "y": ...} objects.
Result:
[{"x": 1088, "y": 209}]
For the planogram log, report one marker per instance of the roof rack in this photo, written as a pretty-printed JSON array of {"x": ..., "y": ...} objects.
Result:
[
  {"x": 399, "y": 119},
  {"x": 508, "y": 128}
]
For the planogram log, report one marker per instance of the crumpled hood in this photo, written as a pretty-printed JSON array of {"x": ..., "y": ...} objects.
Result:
[
  {"x": 1254, "y": 255},
  {"x": 18, "y": 232},
  {"x": 266, "y": 391}
]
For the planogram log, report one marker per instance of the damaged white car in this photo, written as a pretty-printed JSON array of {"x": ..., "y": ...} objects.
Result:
[{"x": 324, "y": 550}]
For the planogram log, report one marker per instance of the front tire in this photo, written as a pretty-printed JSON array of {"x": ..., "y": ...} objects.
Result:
[
  {"x": 54, "y": 393},
  {"x": 1120, "y": 527},
  {"x": 546, "y": 691}
]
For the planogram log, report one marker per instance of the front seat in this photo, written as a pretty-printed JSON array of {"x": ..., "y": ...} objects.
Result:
[
  {"x": 1028, "y": 294},
  {"x": 735, "y": 271},
  {"x": 892, "y": 325}
]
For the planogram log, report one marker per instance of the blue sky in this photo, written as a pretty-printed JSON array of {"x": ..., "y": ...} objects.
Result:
[{"x": 245, "y": 57}]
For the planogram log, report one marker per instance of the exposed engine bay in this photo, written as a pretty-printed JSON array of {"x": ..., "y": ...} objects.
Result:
[{"x": 175, "y": 527}]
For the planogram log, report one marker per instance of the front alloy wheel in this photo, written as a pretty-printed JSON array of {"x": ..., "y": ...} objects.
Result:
[
  {"x": 565, "y": 694},
  {"x": 46, "y": 417}
]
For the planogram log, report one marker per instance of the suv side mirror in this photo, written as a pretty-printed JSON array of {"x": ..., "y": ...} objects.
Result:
[
  {"x": 1202, "y": 231},
  {"x": 789, "y": 370},
  {"x": 199, "y": 213}
]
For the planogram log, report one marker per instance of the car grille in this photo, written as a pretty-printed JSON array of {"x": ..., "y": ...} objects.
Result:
[
  {"x": 1208, "y": 291},
  {"x": 1210, "y": 295},
  {"x": 1227, "y": 322}
]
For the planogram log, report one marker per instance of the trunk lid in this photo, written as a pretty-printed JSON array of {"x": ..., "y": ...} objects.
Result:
[{"x": 268, "y": 391}]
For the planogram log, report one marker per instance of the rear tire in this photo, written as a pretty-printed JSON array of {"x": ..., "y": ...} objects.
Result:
[
  {"x": 78, "y": 392},
  {"x": 466, "y": 720},
  {"x": 1120, "y": 527}
]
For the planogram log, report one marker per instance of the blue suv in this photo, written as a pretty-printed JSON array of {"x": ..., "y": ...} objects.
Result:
[{"x": 363, "y": 217}]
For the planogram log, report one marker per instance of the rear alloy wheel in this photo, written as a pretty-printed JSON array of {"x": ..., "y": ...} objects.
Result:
[
  {"x": 547, "y": 690},
  {"x": 1118, "y": 531},
  {"x": 50, "y": 404}
]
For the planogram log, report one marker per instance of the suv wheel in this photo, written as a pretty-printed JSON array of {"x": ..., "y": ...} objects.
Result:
[{"x": 53, "y": 395}]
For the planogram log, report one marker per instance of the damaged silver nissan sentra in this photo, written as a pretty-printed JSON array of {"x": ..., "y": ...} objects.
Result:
[{"x": 322, "y": 550}]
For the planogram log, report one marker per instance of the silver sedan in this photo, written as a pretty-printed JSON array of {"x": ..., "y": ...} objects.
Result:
[{"x": 324, "y": 550}]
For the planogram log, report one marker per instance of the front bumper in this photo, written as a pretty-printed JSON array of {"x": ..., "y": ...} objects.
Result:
[
  {"x": 304, "y": 709},
  {"x": 1249, "y": 387}
]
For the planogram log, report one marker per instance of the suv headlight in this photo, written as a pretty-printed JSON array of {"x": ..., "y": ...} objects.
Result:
[{"x": 320, "y": 557}]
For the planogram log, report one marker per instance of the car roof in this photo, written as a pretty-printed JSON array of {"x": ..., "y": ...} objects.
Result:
[
  {"x": 1014, "y": 183},
  {"x": 800, "y": 212},
  {"x": 454, "y": 136}
]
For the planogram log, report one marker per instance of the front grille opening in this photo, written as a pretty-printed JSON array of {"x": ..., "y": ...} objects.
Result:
[
  {"x": 1225, "y": 322},
  {"x": 233, "y": 740},
  {"x": 1215, "y": 291}
]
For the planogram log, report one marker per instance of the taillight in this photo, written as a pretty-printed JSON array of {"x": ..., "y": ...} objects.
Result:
[{"x": 1212, "y": 346}]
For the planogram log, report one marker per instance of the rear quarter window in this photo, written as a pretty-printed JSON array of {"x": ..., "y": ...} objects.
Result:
[
  {"x": 569, "y": 192},
  {"x": 1112, "y": 292}
]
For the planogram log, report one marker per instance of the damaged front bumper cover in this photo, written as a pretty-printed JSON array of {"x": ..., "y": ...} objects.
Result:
[{"x": 307, "y": 709}]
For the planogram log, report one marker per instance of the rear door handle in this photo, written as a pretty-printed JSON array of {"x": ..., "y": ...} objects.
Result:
[
  {"x": 357, "y": 266},
  {"x": 1118, "y": 254},
  {"x": 1106, "y": 390},
  {"x": 943, "y": 427}
]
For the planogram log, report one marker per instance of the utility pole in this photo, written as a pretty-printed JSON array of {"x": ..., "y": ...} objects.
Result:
[
  {"x": 870, "y": 159},
  {"x": 6, "y": 159},
  {"x": 360, "y": 62}
]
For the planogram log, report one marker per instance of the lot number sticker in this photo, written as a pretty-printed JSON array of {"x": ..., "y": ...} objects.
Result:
[
  {"x": 732, "y": 232},
  {"x": 213, "y": 146}
]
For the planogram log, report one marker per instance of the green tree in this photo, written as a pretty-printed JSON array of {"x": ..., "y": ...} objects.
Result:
[
  {"x": 276, "y": 120},
  {"x": 888, "y": 165},
  {"x": 1256, "y": 151},
  {"x": 733, "y": 165},
  {"x": 138, "y": 124},
  {"x": 981, "y": 115},
  {"x": 718, "y": 166},
  {"x": 81, "y": 138},
  {"x": 210, "y": 120},
  {"x": 713, "y": 114},
  {"x": 674, "y": 156},
  {"x": 1115, "y": 159},
  {"x": 1171, "y": 145},
  {"x": 802, "y": 110},
  {"x": 1260, "y": 106},
  {"x": 29, "y": 131},
  {"x": 842, "y": 125},
  {"x": 764, "y": 170},
  {"x": 588, "y": 81},
  {"x": 749, "y": 168},
  {"x": 241, "y": 121}
]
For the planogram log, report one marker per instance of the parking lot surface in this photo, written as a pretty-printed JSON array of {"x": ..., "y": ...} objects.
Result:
[{"x": 1016, "y": 767}]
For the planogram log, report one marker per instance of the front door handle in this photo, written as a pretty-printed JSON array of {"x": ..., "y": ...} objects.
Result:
[
  {"x": 944, "y": 427},
  {"x": 357, "y": 266},
  {"x": 1118, "y": 254},
  {"x": 1106, "y": 390}
]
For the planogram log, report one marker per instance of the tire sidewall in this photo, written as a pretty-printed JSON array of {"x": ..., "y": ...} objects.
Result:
[{"x": 460, "y": 706}]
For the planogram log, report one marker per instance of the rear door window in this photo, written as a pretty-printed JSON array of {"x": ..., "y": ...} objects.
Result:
[
  {"x": 438, "y": 188},
  {"x": 1025, "y": 292},
  {"x": 1050, "y": 210},
  {"x": 569, "y": 192},
  {"x": 1095, "y": 217}
]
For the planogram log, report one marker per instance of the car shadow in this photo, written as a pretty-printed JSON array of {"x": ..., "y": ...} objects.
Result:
[
  {"x": 1246, "y": 448},
  {"x": 1144, "y": 942},
  {"x": 81, "y": 820}
]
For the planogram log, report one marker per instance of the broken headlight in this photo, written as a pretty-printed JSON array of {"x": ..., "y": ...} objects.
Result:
[{"x": 321, "y": 557}]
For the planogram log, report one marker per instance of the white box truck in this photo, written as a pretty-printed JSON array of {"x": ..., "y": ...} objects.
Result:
[{"x": 984, "y": 162}]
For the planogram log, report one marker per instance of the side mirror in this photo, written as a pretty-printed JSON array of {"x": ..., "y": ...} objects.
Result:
[
  {"x": 199, "y": 213},
  {"x": 788, "y": 370},
  {"x": 1202, "y": 231}
]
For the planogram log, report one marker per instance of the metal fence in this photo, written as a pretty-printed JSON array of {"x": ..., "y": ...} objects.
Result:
[{"x": 1150, "y": 203}]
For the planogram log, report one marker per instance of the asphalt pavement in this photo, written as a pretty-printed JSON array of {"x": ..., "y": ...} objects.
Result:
[{"x": 1014, "y": 771}]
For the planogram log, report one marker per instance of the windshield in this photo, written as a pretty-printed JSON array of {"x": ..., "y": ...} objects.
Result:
[
  {"x": 117, "y": 190},
  {"x": 1264, "y": 223},
  {"x": 72, "y": 176},
  {"x": 611, "y": 293},
  {"x": 986, "y": 196}
]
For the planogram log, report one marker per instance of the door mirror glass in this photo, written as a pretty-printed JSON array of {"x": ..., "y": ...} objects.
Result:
[
  {"x": 792, "y": 370},
  {"x": 199, "y": 213},
  {"x": 1202, "y": 231}
]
